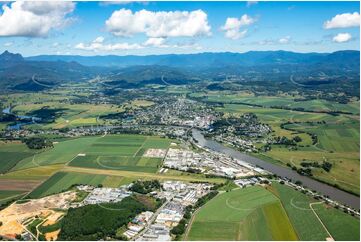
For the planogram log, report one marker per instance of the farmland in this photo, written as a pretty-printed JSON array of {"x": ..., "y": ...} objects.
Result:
[
  {"x": 299, "y": 208},
  {"x": 7, "y": 195},
  {"x": 109, "y": 152},
  {"x": 62, "y": 181},
  {"x": 11, "y": 154},
  {"x": 121, "y": 153},
  {"x": 340, "y": 225},
  {"x": 301, "y": 216},
  {"x": 241, "y": 213}
]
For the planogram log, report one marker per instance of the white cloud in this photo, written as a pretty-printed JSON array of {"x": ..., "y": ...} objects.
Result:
[
  {"x": 284, "y": 40},
  {"x": 232, "y": 27},
  {"x": 342, "y": 37},
  {"x": 7, "y": 44},
  {"x": 98, "y": 45},
  {"x": 344, "y": 20},
  {"x": 157, "y": 42},
  {"x": 163, "y": 24},
  {"x": 34, "y": 19},
  {"x": 99, "y": 39}
]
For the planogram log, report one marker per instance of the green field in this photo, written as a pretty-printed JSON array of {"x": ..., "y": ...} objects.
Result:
[
  {"x": 297, "y": 205},
  {"x": 245, "y": 214},
  {"x": 115, "y": 152},
  {"x": 127, "y": 163},
  {"x": 122, "y": 152},
  {"x": 337, "y": 143},
  {"x": 62, "y": 181},
  {"x": 7, "y": 195},
  {"x": 280, "y": 101},
  {"x": 11, "y": 154},
  {"x": 298, "y": 210},
  {"x": 341, "y": 226}
]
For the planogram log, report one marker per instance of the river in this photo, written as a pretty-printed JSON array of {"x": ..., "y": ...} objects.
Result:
[
  {"x": 334, "y": 193},
  {"x": 22, "y": 119}
]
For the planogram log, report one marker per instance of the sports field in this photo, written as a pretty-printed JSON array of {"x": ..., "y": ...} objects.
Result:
[
  {"x": 116, "y": 152},
  {"x": 62, "y": 181},
  {"x": 251, "y": 213}
]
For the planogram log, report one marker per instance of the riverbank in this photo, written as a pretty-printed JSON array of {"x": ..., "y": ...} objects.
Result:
[{"x": 330, "y": 191}]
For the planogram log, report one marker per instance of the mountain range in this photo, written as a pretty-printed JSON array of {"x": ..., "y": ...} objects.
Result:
[
  {"x": 207, "y": 60},
  {"x": 17, "y": 72}
]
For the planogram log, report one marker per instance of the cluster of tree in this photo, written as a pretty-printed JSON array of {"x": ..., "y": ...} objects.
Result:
[
  {"x": 194, "y": 170},
  {"x": 97, "y": 223},
  {"x": 306, "y": 169},
  {"x": 286, "y": 141},
  {"x": 325, "y": 165},
  {"x": 7, "y": 117},
  {"x": 38, "y": 143},
  {"x": 145, "y": 187},
  {"x": 181, "y": 227},
  {"x": 201, "y": 201}
]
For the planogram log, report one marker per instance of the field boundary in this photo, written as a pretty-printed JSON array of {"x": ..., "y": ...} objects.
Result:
[{"x": 323, "y": 225}]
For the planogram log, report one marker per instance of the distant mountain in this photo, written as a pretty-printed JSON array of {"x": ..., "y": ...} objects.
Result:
[
  {"x": 132, "y": 71},
  {"x": 22, "y": 74},
  {"x": 8, "y": 59},
  {"x": 149, "y": 74},
  {"x": 207, "y": 60}
]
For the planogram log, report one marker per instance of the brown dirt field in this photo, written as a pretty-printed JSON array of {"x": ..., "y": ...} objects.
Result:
[
  {"x": 18, "y": 185},
  {"x": 15, "y": 214},
  {"x": 11, "y": 229},
  {"x": 52, "y": 235},
  {"x": 53, "y": 218}
]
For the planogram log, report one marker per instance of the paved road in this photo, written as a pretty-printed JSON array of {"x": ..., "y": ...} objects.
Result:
[{"x": 151, "y": 220}]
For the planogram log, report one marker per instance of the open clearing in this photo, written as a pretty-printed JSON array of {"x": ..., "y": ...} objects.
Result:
[{"x": 251, "y": 213}]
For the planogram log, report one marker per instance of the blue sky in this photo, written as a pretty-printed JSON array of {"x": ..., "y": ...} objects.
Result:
[{"x": 142, "y": 28}]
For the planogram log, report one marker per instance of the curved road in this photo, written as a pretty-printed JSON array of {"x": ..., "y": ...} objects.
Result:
[{"x": 334, "y": 193}]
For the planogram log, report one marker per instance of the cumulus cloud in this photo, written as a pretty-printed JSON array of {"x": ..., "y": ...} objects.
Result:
[
  {"x": 284, "y": 40},
  {"x": 98, "y": 45},
  {"x": 232, "y": 27},
  {"x": 157, "y": 42},
  {"x": 34, "y": 19},
  {"x": 342, "y": 37},
  {"x": 344, "y": 20},
  {"x": 160, "y": 24}
]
